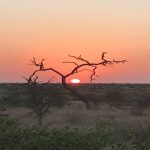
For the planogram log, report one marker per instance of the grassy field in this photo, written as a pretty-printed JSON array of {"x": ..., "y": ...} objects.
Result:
[{"x": 118, "y": 119}]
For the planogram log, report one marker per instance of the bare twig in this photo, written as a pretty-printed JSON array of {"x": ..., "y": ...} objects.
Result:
[
  {"x": 40, "y": 65},
  {"x": 93, "y": 73},
  {"x": 80, "y": 58},
  {"x": 71, "y": 62}
]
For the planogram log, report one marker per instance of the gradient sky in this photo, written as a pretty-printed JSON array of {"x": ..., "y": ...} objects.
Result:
[{"x": 53, "y": 29}]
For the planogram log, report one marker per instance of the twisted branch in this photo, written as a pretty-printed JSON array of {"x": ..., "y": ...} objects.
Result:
[{"x": 78, "y": 68}]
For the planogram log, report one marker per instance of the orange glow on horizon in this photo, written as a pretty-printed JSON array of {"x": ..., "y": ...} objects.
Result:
[{"x": 54, "y": 29}]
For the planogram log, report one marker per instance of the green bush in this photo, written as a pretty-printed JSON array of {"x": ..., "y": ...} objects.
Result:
[{"x": 104, "y": 136}]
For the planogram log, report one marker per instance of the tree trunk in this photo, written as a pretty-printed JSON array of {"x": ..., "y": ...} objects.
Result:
[{"x": 75, "y": 93}]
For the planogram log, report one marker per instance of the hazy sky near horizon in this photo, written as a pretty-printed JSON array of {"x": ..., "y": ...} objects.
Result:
[{"x": 52, "y": 29}]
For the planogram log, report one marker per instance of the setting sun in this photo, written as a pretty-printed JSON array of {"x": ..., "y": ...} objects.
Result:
[{"x": 75, "y": 81}]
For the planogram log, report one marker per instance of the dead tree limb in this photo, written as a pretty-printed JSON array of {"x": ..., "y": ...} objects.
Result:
[{"x": 80, "y": 66}]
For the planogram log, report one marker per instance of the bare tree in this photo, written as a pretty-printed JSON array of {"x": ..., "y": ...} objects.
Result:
[{"x": 80, "y": 64}]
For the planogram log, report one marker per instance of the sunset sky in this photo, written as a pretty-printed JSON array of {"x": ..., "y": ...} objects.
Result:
[{"x": 52, "y": 29}]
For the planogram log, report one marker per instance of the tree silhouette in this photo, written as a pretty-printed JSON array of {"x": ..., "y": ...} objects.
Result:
[{"x": 78, "y": 67}]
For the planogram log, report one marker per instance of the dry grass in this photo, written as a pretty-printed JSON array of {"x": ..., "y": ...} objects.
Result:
[{"x": 80, "y": 118}]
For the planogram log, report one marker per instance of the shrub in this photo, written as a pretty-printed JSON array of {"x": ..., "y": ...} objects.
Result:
[{"x": 104, "y": 136}]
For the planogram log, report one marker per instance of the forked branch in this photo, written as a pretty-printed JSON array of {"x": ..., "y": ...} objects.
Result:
[
  {"x": 78, "y": 67},
  {"x": 80, "y": 63}
]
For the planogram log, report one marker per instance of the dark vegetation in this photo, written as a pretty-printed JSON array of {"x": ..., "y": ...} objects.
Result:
[
  {"x": 103, "y": 136},
  {"x": 121, "y": 96}
]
